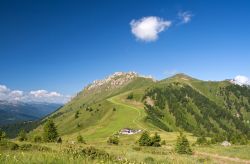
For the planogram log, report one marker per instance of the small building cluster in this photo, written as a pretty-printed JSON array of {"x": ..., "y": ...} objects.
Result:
[{"x": 128, "y": 131}]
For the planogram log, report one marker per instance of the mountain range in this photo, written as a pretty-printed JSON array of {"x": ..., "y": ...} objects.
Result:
[
  {"x": 17, "y": 111},
  {"x": 128, "y": 100}
]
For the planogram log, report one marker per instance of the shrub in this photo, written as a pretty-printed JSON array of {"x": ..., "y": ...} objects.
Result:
[
  {"x": 130, "y": 96},
  {"x": 114, "y": 109},
  {"x": 59, "y": 140},
  {"x": 182, "y": 145},
  {"x": 91, "y": 153},
  {"x": 7, "y": 145},
  {"x": 50, "y": 131},
  {"x": 155, "y": 140},
  {"x": 146, "y": 140},
  {"x": 201, "y": 141},
  {"x": 2, "y": 135},
  {"x": 163, "y": 142},
  {"x": 113, "y": 140},
  {"x": 80, "y": 139},
  {"x": 37, "y": 139},
  {"x": 13, "y": 146},
  {"x": 217, "y": 138},
  {"x": 76, "y": 114},
  {"x": 90, "y": 109},
  {"x": 22, "y": 136},
  {"x": 25, "y": 147},
  {"x": 238, "y": 139},
  {"x": 94, "y": 153}
]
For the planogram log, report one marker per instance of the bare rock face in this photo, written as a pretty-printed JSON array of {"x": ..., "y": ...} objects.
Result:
[
  {"x": 113, "y": 81},
  {"x": 116, "y": 80},
  {"x": 226, "y": 143}
]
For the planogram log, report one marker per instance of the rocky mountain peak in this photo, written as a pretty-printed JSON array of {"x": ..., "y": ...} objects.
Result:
[{"x": 113, "y": 81}]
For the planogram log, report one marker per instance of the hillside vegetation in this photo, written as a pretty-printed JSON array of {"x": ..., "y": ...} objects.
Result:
[{"x": 210, "y": 111}]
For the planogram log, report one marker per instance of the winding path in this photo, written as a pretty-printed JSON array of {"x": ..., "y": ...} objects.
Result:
[
  {"x": 222, "y": 159},
  {"x": 136, "y": 120}
]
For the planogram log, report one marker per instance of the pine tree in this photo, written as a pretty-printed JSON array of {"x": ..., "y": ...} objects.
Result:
[
  {"x": 50, "y": 131},
  {"x": 182, "y": 145},
  {"x": 145, "y": 139}
]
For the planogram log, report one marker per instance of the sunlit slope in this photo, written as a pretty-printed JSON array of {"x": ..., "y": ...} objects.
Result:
[
  {"x": 177, "y": 103},
  {"x": 101, "y": 114}
]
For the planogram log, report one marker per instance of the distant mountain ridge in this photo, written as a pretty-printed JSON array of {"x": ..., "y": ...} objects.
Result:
[{"x": 16, "y": 111}]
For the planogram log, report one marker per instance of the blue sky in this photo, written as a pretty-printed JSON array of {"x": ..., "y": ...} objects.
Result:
[{"x": 64, "y": 45}]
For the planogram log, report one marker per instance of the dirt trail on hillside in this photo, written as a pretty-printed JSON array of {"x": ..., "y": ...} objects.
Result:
[
  {"x": 135, "y": 120},
  {"x": 222, "y": 159}
]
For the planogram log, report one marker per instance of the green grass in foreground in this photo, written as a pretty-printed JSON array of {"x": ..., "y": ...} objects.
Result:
[{"x": 57, "y": 157}]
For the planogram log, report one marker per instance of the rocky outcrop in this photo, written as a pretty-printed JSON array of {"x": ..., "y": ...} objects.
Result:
[{"x": 115, "y": 80}]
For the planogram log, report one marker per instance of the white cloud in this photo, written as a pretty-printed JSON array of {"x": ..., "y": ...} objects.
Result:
[
  {"x": 45, "y": 96},
  {"x": 185, "y": 17},
  {"x": 3, "y": 89},
  {"x": 16, "y": 95},
  {"x": 241, "y": 80},
  {"x": 44, "y": 93},
  {"x": 148, "y": 28},
  {"x": 32, "y": 96}
]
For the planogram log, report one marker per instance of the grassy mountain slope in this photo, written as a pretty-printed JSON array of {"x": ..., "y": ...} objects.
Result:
[
  {"x": 166, "y": 106},
  {"x": 200, "y": 107},
  {"x": 178, "y": 102},
  {"x": 101, "y": 113}
]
